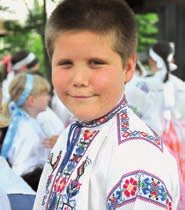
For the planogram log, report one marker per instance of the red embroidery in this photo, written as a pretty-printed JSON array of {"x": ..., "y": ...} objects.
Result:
[
  {"x": 88, "y": 134},
  {"x": 60, "y": 184},
  {"x": 169, "y": 204},
  {"x": 130, "y": 187}
]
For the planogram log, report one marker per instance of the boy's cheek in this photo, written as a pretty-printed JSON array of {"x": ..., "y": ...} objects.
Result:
[{"x": 56, "y": 79}]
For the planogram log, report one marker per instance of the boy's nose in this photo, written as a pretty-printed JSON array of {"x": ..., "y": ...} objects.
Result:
[{"x": 80, "y": 77}]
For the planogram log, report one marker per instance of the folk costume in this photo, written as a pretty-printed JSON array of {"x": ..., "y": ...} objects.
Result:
[
  {"x": 22, "y": 145},
  {"x": 114, "y": 162},
  {"x": 166, "y": 116},
  {"x": 163, "y": 110},
  {"x": 27, "y": 152}
]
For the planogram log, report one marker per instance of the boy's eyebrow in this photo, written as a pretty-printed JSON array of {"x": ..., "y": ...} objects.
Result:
[
  {"x": 59, "y": 58},
  {"x": 99, "y": 57}
]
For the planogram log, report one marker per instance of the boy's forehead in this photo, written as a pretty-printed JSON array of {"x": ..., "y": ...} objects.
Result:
[
  {"x": 73, "y": 38},
  {"x": 106, "y": 36},
  {"x": 84, "y": 42}
]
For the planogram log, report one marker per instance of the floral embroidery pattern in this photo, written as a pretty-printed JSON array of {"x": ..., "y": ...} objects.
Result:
[
  {"x": 139, "y": 185},
  {"x": 127, "y": 134},
  {"x": 67, "y": 200},
  {"x": 130, "y": 187},
  {"x": 61, "y": 181}
]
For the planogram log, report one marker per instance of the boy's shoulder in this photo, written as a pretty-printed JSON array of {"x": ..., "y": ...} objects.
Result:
[
  {"x": 132, "y": 128},
  {"x": 137, "y": 139}
]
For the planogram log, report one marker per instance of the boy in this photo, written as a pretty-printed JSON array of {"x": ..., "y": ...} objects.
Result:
[{"x": 109, "y": 158}]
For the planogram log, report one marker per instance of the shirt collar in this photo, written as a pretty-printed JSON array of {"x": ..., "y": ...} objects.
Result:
[{"x": 97, "y": 122}]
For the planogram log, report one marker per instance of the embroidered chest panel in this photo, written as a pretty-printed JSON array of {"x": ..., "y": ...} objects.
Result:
[{"x": 61, "y": 189}]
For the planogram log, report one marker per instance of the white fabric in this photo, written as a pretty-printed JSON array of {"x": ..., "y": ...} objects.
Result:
[
  {"x": 158, "y": 100},
  {"x": 10, "y": 182},
  {"x": 160, "y": 63},
  {"x": 136, "y": 91},
  {"x": 109, "y": 158},
  {"x": 5, "y": 86},
  {"x": 27, "y": 151},
  {"x": 50, "y": 122},
  {"x": 24, "y": 62},
  {"x": 4, "y": 201},
  {"x": 62, "y": 112},
  {"x": 172, "y": 66}
]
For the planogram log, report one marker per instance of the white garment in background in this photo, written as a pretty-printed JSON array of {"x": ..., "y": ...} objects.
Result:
[
  {"x": 5, "y": 86},
  {"x": 116, "y": 163},
  {"x": 27, "y": 151},
  {"x": 148, "y": 96},
  {"x": 154, "y": 113},
  {"x": 10, "y": 182},
  {"x": 50, "y": 122},
  {"x": 135, "y": 91},
  {"x": 4, "y": 201},
  {"x": 62, "y": 112}
]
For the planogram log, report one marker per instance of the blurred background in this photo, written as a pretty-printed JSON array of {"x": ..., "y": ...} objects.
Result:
[{"x": 22, "y": 24}]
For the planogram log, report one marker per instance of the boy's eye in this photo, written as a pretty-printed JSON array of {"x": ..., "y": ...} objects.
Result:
[
  {"x": 65, "y": 63},
  {"x": 96, "y": 62}
]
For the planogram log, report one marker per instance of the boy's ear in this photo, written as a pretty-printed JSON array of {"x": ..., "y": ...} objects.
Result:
[{"x": 130, "y": 68}]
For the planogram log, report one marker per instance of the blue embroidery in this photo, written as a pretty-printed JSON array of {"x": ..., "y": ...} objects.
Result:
[
  {"x": 139, "y": 185},
  {"x": 63, "y": 189},
  {"x": 126, "y": 134}
]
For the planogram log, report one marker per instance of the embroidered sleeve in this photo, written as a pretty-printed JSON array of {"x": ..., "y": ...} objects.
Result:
[{"x": 142, "y": 186}]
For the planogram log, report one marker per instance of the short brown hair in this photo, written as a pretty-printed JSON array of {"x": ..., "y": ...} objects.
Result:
[{"x": 99, "y": 16}]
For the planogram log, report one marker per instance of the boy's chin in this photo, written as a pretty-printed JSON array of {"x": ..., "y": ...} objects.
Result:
[{"x": 83, "y": 117}]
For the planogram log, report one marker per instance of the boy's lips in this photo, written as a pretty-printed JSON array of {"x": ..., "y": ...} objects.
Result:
[{"x": 81, "y": 96}]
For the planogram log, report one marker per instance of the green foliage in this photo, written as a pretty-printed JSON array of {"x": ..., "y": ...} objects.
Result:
[
  {"x": 22, "y": 38},
  {"x": 29, "y": 36},
  {"x": 16, "y": 38},
  {"x": 147, "y": 30},
  {"x": 36, "y": 19}
]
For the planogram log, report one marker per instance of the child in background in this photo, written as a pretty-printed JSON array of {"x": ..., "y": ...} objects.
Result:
[
  {"x": 26, "y": 61},
  {"x": 167, "y": 116},
  {"x": 22, "y": 146},
  {"x": 20, "y": 61},
  {"x": 108, "y": 158}
]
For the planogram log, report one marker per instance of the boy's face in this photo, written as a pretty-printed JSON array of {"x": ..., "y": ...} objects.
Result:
[{"x": 87, "y": 74}]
